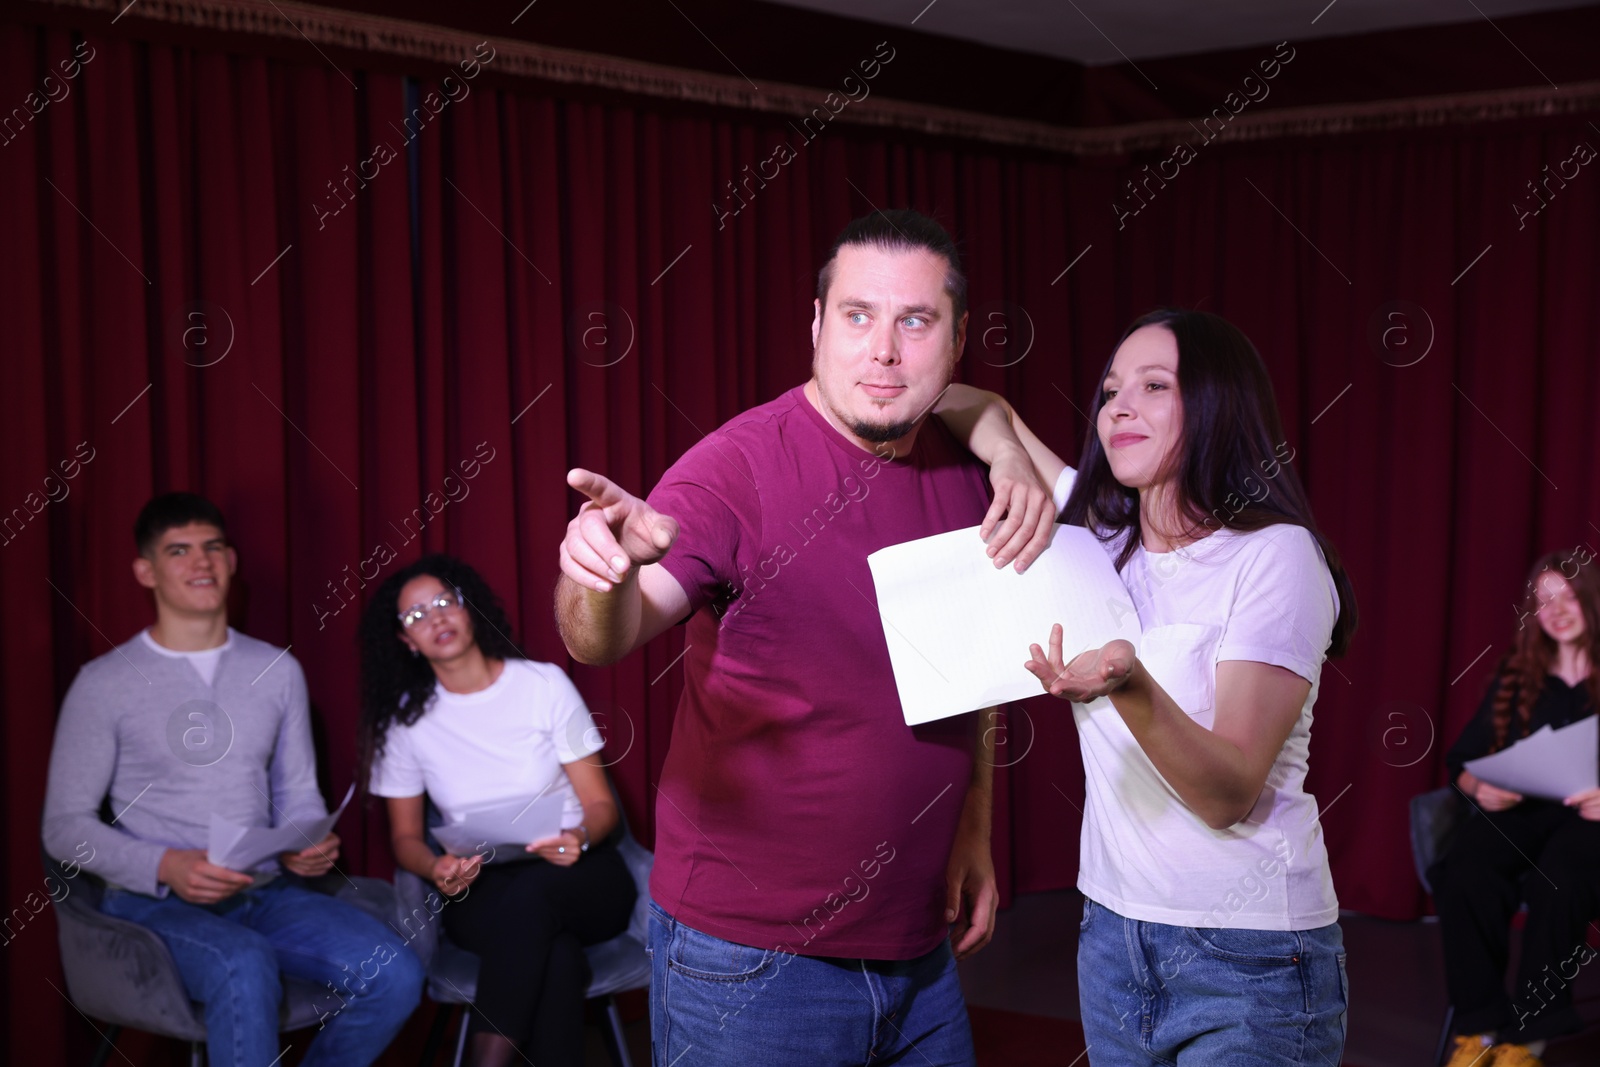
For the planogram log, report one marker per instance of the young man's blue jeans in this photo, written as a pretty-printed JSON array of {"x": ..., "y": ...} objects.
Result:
[
  {"x": 231, "y": 956},
  {"x": 1155, "y": 994},
  {"x": 714, "y": 1003}
]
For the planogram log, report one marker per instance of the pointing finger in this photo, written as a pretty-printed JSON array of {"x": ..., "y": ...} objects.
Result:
[{"x": 596, "y": 487}]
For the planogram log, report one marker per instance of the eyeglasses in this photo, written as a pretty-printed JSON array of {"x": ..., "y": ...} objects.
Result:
[{"x": 448, "y": 598}]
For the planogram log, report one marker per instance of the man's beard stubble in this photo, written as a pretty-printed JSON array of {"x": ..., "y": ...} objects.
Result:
[
  {"x": 878, "y": 433},
  {"x": 882, "y": 434}
]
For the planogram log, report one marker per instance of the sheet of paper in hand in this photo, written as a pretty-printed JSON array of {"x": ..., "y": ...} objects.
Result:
[
  {"x": 518, "y": 823},
  {"x": 243, "y": 848},
  {"x": 1550, "y": 764},
  {"x": 958, "y": 629}
]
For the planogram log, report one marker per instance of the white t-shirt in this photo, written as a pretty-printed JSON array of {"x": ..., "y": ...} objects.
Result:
[
  {"x": 204, "y": 661},
  {"x": 1265, "y": 596},
  {"x": 1063, "y": 487},
  {"x": 508, "y": 742}
]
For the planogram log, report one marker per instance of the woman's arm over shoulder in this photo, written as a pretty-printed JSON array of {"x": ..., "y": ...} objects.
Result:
[
  {"x": 1022, "y": 471},
  {"x": 987, "y": 424}
]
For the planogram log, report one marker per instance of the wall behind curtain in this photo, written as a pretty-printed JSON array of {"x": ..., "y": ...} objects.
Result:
[{"x": 533, "y": 283}]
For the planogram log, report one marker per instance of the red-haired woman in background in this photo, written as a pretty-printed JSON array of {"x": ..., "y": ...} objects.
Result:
[{"x": 1518, "y": 848}]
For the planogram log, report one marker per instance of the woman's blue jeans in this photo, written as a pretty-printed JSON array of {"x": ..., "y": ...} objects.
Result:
[{"x": 1156, "y": 994}]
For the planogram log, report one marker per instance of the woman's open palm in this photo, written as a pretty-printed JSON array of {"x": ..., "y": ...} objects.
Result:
[{"x": 1089, "y": 676}]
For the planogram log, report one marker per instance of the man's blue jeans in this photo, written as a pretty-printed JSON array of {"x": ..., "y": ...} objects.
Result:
[
  {"x": 1155, "y": 994},
  {"x": 714, "y": 1003},
  {"x": 231, "y": 956}
]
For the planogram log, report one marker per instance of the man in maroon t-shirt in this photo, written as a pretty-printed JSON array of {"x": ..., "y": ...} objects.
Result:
[{"x": 812, "y": 849}]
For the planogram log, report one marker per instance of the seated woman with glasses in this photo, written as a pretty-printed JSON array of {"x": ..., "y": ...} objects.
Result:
[{"x": 451, "y": 709}]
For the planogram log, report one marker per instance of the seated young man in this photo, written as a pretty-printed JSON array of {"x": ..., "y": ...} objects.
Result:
[{"x": 187, "y": 718}]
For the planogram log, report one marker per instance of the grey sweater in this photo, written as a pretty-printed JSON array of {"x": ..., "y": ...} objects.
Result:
[{"x": 170, "y": 750}]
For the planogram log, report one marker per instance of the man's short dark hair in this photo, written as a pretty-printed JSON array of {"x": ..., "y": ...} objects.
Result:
[
  {"x": 901, "y": 230},
  {"x": 170, "y": 510}
]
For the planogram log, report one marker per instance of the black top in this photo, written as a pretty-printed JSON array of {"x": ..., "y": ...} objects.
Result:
[{"x": 1559, "y": 705}]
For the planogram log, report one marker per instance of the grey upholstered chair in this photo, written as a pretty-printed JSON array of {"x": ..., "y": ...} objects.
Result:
[
  {"x": 121, "y": 974},
  {"x": 1436, "y": 816}
]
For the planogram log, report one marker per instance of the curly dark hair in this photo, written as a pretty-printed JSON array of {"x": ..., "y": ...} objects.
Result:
[
  {"x": 1520, "y": 677},
  {"x": 396, "y": 685}
]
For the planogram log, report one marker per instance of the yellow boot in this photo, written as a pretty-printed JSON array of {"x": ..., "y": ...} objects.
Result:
[
  {"x": 1474, "y": 1050},
  {"x": 1515, "y": 1056}
]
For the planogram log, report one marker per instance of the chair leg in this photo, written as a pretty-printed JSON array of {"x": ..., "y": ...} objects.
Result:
[
  {"x": 461, "y": 1042},
  {"x": 1444, "y": 1035},
  {"x": 436, "y": 1032},
  {"x": 108, "y": 1045},
  {"x": 616, "y": 1041},
  {"x": 197, "y": 1054}
]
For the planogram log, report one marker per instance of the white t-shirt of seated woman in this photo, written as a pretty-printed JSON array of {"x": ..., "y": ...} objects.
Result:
[
  {"x": 508, "y": 742},
  {"x": 1265, "y": 596}
]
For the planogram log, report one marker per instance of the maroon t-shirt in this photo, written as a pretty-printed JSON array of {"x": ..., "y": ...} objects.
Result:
[{"x": 797, "y": 810}]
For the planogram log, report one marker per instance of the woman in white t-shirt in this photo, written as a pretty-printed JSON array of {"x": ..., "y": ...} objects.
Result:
[
  {"x": 452, "y": 711},
  {"x": 1210, "y": 929}
]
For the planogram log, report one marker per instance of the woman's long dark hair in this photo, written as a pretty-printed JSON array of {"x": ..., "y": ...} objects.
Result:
[
  {"x": 396, "y": 685},
  {"x": 1232, "y": 448},
  {"x": 1520, "y": 677}
]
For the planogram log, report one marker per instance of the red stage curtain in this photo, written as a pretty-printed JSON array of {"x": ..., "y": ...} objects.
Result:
[{"x": 533, "y": 283}]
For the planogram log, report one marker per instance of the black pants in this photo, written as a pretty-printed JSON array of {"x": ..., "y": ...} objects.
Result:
[
  {"x": 528, "y": 922},
  {"x": 1549, "y": 856}
]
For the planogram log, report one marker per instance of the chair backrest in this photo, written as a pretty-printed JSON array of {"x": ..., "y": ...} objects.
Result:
[
  {"x": 116, "y": 971},
  {"x": 417, "y": 906},
  {"x": 1435, "y": 818},
  {"x": 79, "y": 890},
  {"x": 639, "y": 860}
]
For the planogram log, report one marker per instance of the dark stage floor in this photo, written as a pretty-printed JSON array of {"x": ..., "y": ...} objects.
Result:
[{"x": 1027, "y": 978}]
